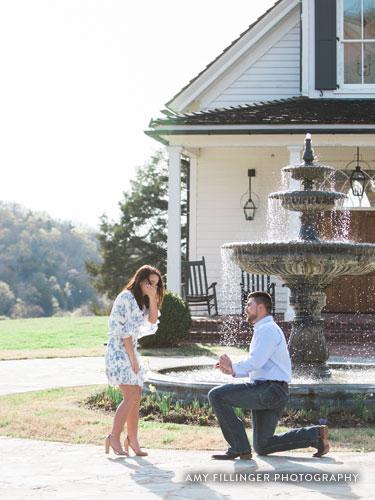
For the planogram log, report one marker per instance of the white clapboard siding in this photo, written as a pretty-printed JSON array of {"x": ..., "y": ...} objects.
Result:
[
  {"x": 221, "y": 179},
  {"x": 275, "y": 75}
]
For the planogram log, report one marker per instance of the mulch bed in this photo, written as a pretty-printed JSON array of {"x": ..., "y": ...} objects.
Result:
[{"x": 204, "y": 416}]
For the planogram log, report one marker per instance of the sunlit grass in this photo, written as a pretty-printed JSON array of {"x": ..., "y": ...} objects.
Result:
[
  {"x": 53, "y": 333},
  {"x": 59, "y": 415},
  {"x": 79, "y": 336}
]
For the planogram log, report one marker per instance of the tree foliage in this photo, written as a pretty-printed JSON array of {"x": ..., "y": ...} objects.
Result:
[
  {"x": 42, "y": 263},
  {"x": 7, "y": 298},
  {"x": 140, "y": 237}
]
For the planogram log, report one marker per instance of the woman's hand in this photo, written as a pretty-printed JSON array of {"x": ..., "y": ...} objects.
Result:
[
  {"x": 135, "y": 365},
  {"x": 149, "y": 289},
  {"x": 128, "y": 346}
]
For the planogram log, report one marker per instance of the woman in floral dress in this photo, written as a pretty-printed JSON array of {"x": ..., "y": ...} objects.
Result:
[{"x": 134, "y": 314}]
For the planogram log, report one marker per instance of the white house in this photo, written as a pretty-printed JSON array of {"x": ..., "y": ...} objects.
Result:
[{"x": 304, "y": 66}]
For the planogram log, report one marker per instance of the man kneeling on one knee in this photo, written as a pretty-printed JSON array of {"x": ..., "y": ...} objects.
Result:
[{"x": 266, "y": 394}]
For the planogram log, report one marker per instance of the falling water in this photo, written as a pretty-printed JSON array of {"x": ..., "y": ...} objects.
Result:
[
  {"x": 229, "y": 293},
  {"x": 341, "y": 220},
  {"x": 341, "y": 216},
  {"x": 278, "y": 218},
  {"x": 233, "y": 328}
]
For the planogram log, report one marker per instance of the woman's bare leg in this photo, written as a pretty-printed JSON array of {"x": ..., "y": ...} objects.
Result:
[
  {"x": 132, "y": 422},
  {"x": 130, "y": 398}
]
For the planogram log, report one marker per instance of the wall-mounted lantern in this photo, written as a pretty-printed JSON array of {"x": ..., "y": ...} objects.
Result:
[{"x": 249, "y": 207}]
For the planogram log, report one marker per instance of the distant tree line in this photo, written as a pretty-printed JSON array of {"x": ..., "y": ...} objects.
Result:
[
  {"x": 42, "y": 264},
  {"x": 49, "y": 267}
]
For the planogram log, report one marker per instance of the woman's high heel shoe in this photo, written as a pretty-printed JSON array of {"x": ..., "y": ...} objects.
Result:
[
  {"x": 138, "y": 452},
  {"x": 108, "y": 444}
]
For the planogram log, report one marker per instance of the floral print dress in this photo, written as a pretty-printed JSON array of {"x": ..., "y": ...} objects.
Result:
[{"x": 126, "y": 320}]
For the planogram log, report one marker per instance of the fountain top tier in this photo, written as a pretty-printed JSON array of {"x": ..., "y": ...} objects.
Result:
[
  {"x": 308, "y": 201},
  {"x": 312, "y": 198},
  {"x": 309, "y": 170},
  {"x": 305, "y": 172}
]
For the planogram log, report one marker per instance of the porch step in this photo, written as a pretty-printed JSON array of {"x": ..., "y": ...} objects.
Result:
[{"x": 337, "y": 327}]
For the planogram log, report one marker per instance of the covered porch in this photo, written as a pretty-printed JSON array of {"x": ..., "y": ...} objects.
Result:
[{"x": 220, "y": 156}]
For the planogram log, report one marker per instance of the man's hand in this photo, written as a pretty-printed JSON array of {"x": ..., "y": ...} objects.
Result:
[{"x": 225, "y": 365}]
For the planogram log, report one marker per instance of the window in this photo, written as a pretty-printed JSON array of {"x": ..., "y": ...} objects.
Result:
[{"x": 358, "y": 42}]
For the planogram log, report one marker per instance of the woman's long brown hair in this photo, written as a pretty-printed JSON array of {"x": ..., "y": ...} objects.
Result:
[{"x": 134, "y": 285}]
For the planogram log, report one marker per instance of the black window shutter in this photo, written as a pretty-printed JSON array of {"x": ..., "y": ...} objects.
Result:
[{"x": 325, "y": 45}]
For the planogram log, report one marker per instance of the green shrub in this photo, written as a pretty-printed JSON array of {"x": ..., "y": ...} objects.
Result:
[{"x": 175, "y": 322}]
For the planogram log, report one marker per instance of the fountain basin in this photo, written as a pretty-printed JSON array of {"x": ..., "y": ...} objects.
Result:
[
  {"x": 323, "y": 260},
  {"x": 302, "y": 395}
]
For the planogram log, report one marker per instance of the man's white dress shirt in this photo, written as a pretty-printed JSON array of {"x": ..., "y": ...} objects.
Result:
[{"x": 268, "y": 354}]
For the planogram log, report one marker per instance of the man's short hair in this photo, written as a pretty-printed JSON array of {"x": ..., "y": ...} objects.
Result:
[{"x": 262, "y": 298}]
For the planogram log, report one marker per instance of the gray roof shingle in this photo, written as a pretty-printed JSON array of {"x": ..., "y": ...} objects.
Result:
[{"x": 298, "y": 110}]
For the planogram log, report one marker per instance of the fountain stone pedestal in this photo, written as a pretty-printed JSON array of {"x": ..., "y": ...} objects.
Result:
[{"x": 307, "y": 343}]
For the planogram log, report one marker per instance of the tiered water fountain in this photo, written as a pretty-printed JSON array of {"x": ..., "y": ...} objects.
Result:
[{"x": 308, "y": 265}]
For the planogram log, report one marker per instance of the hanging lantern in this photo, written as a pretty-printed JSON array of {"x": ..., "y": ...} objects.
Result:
[
  {"x": 358, "y": 179},
  {"x": 249, "y": 207}
]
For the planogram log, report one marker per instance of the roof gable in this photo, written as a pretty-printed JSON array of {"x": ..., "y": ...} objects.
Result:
[
  {"x": 188, "y": 99},
  {"x": 271, "y": 70}
]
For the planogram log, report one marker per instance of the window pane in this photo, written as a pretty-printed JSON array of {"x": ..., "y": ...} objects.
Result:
[
  {"x": 352, "y": 63},
  {"x": 369, "y": 18},
  {"x": 352, "y": 19},
  {"x": 369, "y": 62}
]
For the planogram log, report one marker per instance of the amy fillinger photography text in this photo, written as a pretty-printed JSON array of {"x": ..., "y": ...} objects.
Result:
[{"x": 272, "y": 477}]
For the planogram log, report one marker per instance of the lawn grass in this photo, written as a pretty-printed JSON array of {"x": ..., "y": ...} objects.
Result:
[
  {"x": 53, "y": 333},
  {"x": 59, "y": 415},
  {"x": 78, "y": 336}
]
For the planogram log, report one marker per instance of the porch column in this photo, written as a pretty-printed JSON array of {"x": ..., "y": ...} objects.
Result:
[
  {"x": 293, "y": 223},
  {"x": 174, "y": 220}
]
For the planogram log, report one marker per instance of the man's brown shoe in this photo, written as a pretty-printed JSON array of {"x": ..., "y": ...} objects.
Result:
[
  {"x": 323, "y": 446},
  {"x": 231, "y": 456}
]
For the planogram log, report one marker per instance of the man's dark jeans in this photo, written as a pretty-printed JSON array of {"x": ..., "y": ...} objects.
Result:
[{"x": 267, "y": 401}]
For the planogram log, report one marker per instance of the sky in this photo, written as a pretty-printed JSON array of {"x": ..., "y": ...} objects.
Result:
[{"x": 80, "y": 81}]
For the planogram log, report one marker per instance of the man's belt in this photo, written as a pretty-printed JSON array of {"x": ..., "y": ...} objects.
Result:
[{"x": 273, "y": 381}]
